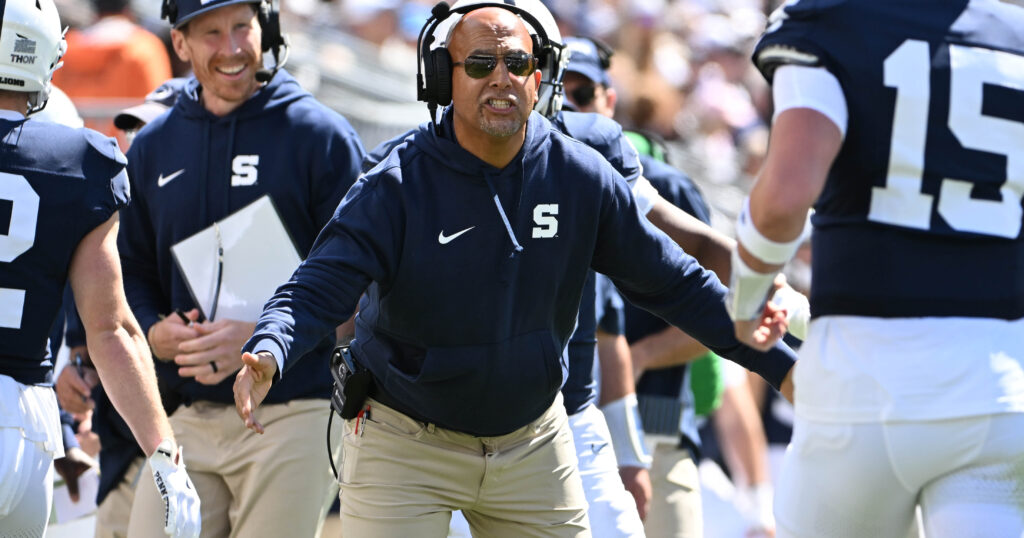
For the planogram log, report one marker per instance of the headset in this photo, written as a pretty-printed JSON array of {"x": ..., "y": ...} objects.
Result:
[
  {"x": 434, "y": 67},
  {"x": 604, "y": 52},
  {"x": 272, "y": 39}
]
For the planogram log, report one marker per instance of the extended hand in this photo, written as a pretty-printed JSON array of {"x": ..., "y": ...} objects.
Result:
[
  {"x": 251, "y": 386},
  {"x": 181, "y": 502},
  {"x": 213, "y": 356},
  {"x": 638, "y": 482},
  {"x": 764, "y": 331}
]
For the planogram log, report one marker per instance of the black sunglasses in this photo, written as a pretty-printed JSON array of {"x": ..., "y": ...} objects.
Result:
[
  {"x": 582, "y": 96},
  {"x": 519, "y": 64}
]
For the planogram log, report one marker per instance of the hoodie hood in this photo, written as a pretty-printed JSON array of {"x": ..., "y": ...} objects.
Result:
[{"x": 445, "y": 148}]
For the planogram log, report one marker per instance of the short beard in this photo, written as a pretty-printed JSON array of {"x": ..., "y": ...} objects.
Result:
[{"x": 501, "y": 128}]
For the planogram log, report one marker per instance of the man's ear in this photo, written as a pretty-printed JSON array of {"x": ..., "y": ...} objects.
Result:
[
  {"x": 613, "y": 97},
  {"x": 536, "y": 95},
  {"x": 178, "y": 42}
]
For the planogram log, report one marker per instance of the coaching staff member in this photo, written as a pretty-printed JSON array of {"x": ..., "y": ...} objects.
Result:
[
  {"x": 473, "y": 245},
  {"x": 236, "y": 134}
]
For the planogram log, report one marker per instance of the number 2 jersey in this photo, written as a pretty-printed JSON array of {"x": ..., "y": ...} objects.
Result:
[
  {"x": 921, "y": 213},
  {"x": 56, "y": 185}
]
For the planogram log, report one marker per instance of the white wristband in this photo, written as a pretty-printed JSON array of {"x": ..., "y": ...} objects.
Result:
[
  {"x": 761, "y": 247},
  {"x": 755, "y": 504},
  {"x": 645, "y": 194},
  {"x": 798, "y": 310},
  {"x": 627, "y": 431},
  {"x": 748, "y": 290}
]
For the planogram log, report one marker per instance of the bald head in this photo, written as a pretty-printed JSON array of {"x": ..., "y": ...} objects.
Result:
[{"x": 489, "y": 22}]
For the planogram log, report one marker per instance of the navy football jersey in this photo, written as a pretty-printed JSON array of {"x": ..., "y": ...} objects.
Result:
[
  {"x": 56, "y": 185},
  {"x": 921, "y": 213}
]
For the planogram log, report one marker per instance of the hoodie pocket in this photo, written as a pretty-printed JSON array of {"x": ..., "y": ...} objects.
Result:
[
  {"x": 529, "y": 358},
  {"x": 482, "y": 388}
]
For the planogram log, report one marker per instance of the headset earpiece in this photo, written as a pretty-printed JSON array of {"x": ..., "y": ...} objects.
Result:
[
  {"x": 604, "y": 52},
  {"x": 270, "y": 26},
  {"x": 169, "y": 11},
  {"x": 539, "y": 50},
  {"x": 438, "y": 74}
]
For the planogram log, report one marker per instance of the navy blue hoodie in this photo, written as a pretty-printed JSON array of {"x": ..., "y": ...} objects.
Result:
[
  {"x": 605, "y": 136},
  {"x": 280, "y": 142},
  {"x": 474, "y": 274}
]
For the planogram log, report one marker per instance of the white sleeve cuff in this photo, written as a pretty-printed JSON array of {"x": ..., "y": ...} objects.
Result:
[
  {"x": 796, "y": 86},
  {"x": 270, "y": 346},
  {"x": 627, "y": 432},
  {"x": 645, "y": 194}
]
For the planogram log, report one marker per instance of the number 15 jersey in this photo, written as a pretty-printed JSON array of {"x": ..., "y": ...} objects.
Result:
[{"x": 921, "y": 214}]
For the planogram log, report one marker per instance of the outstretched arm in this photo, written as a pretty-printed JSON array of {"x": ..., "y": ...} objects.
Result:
[
  {"x": 121, "y": 355},
  {"x": 804, "y": 143},
  {"x": 116, "y": 344}
]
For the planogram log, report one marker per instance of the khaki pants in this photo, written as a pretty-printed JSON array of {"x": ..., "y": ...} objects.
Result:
[
  {"x": 675, "y": 510},
  {"x": 403, "y": 478},
  {"x": 115, "y": 510},
  {"x": 278, "y": 484}
]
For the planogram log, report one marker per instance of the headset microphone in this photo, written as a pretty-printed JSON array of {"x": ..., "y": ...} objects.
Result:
[{"x": 281, "y": 52}]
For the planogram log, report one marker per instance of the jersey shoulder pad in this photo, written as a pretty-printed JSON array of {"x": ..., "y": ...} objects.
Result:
[
  {"x": 790, "y": 38},
  {"x": 105, "y": 163},
  {"x": 105, "y": 146}
]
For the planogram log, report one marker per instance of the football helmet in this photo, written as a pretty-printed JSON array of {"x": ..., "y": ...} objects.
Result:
[{"x": 31, "y": 47}]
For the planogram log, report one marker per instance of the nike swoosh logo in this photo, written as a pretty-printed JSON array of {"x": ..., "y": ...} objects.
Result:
[
  {"x": 163, "y": 180},
  {"x": 597, "y": 448},
  {"x": 445, "y": 239}
]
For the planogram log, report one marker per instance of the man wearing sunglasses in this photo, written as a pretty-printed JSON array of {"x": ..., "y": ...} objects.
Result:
[{"x": 472, "y": 242}]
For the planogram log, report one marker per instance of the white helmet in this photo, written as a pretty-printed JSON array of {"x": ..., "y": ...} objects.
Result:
[
  {"x": 31, "y": 47},
  {"x": 553, "y": 57}
]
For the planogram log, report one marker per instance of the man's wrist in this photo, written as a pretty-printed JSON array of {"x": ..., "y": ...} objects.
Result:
[
  {"x": 269, "y": 347},
  {"x": 627, "y": 432}
]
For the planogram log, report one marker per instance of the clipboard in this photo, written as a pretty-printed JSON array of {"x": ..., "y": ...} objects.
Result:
[{"x": 235, "y": 265}]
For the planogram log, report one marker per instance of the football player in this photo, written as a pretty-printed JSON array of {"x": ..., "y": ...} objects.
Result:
[
  {"x": 901, "y": 123},
  {"x": 60, "y": 189}
]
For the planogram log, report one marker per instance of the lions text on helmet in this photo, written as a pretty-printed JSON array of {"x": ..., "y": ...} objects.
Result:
[{"x": 31, "y": 47}]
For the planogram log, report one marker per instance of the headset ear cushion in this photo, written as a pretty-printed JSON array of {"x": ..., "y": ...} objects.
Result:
[
  {"x": 270, "y": 26},
  {"x": 539, "y": 51},
  {"x": 440, "y": 85}
]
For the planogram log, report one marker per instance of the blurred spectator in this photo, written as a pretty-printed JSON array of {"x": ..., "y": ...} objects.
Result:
[{"x": 112, "y": 59}]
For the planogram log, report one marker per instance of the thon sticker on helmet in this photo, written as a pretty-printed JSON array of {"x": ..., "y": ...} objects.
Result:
[{"x": 31, "y": 47}]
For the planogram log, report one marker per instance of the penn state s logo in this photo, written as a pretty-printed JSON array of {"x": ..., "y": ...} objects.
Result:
[
  {"x": 546, "y": 223},
  {"x": 243, "y": 169}
]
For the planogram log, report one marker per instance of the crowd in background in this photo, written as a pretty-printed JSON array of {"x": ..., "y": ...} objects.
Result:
[{"x": 681, "y": 69}]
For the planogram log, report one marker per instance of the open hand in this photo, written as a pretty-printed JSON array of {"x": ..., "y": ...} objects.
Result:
[{"x": 251, "y": 386}]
